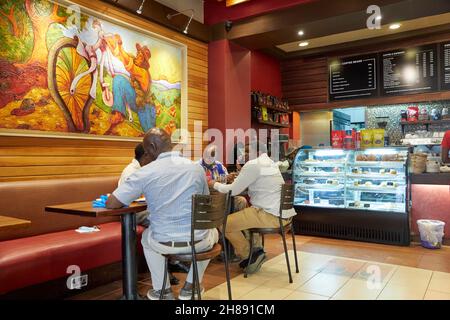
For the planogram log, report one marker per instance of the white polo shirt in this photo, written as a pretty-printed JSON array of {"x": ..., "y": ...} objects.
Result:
[{"x": 263, "y": 179}]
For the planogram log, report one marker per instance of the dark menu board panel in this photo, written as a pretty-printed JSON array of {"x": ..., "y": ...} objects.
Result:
[
  {"x": 353, "y": 77},
  {"x": 406, "y": 71},
  {"x": 445, "y": 66}
]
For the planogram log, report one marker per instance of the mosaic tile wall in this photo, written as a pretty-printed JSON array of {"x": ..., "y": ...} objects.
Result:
[{"x": 393, "y": 122}]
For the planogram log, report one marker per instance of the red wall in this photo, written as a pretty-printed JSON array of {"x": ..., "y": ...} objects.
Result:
[
  {"x": 217, "y": 54},
  {"x": 229, "y": 86},
  {"x": 216, "y": 12},
  {"x": 266, "y": 74},
  {"x": 430, "y": 202}
]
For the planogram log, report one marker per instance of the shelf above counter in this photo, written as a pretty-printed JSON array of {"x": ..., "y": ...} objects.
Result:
[
  {"x": 425, "y": 122},
  {"x": 431, "y": 178},
  {"x": 275, "y": 124}
]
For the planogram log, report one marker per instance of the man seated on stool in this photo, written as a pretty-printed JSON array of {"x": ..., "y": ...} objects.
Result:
[
  {"x": 168, "y": 184},
  {"x": 263, "y": 179}
]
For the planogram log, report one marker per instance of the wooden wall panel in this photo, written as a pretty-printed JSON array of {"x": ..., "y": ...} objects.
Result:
[
  {"x": 304, "y": 81},
  {"x": 30, "y": 158}
]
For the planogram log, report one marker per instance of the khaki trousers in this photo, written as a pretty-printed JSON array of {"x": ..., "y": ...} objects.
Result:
[{"x": 246, "y": 219}]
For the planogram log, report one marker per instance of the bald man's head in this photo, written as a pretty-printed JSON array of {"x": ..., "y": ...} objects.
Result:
[{"x": 156, "y": 141}]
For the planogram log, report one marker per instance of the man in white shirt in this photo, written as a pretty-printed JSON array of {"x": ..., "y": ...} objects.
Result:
[
  {"x": 140, "y": 159},
  {"x": 263, "y": 179}
]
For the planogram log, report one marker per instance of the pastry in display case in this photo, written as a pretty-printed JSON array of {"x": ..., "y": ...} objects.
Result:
[
  {"x": 319, "y": 177},
  {"x": 372, "y": 179}
]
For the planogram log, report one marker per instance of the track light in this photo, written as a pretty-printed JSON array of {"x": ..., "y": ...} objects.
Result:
[
  {"x": 186, "y": 29},
  {"x": 139, "y": 11}
]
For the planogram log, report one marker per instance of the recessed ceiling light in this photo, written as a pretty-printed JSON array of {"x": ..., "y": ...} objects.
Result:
[
  {"x": 394, "y": 26},
  {"x": 303, "y": 44},
  {"x": 300, "y": 33}
]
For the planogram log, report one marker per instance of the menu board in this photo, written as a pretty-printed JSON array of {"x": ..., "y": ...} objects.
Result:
[
  {"x": 353, "y": 77},
  {"x": 412, "y": 70},
  {"x": 445, "y": 66}
]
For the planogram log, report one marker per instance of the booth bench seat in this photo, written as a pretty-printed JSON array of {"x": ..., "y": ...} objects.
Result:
[
  {"x": 45, "y": 250},
  {"x": 37, "y": 259}
]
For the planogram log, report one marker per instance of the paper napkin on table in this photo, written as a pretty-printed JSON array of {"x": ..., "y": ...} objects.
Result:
[{"x": 87, "y": 229}]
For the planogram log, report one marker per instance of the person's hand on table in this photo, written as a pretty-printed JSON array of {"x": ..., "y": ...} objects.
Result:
[
  {"x": 231, "y": 177},
  {"x": 211, "y": 183}
]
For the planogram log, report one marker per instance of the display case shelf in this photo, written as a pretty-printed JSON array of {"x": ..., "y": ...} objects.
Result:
[
  {"x": 322, "y": 174},
  {"x": 320, "y": 186},
  {"x": 367, "y": 176},
  {"x": 323, "y": 164},
  {"x": 321, "y": 205},
  {"x": 378, "y": 189},
  {"x": 379, "y": 164},
  {"x": 376, "y": 206},
  {"x": 376, "y": 196}
]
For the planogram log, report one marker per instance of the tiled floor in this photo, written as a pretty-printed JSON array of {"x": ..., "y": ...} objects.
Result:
[
  {"x": 329, "y": 277},
  {"x": 329, "y": 269}
]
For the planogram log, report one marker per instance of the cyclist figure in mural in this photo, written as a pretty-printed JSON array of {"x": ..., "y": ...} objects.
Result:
[
  {"x": 134, "y": 91},
  {"x": 131, "y": 84}
]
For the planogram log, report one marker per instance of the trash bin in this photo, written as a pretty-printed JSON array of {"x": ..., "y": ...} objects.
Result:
[{"x": 431, "y": 233}]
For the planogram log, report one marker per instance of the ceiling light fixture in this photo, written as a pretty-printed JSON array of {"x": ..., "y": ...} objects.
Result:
[
  {"x": 186, "y": 29},
  {"x": 395, "y": 26},
  {"x": 303, "y": 44},
  {"x": 139, "y": 11},
  {"x": 301, "y": 33}
]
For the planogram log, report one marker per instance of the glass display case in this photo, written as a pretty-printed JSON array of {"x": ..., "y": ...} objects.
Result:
[{"x": 372, "y": 179}]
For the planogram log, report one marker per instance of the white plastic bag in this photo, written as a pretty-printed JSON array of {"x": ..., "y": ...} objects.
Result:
[{"x": 431, "y": 233}]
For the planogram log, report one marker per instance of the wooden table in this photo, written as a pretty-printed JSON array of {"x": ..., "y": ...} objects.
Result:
[
  {"x": 7, "y": 223},
  {"x": 128, "y": 222}
]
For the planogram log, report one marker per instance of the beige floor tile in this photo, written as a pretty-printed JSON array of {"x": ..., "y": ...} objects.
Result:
[
  {"x": 263, "y": 293},
  {"x": 356, "y": 289},
  {"x": 407, "y": 276},
  {"x": 375, "y": 272},
  {"x": 324, "y": 284},
  {"x": 221, "y": 292},
  {"x": 299, "y": 295},
  {"x": 436, "y": 295},
  {"x": 298, "y": 279},
  {"x": 440, "y": 281},
  {"x": 253, "y": 279},
  {"x": 342, "y": 267},
  {"x": 402, "y": 292},
  {"x": 311, "y": 262}
]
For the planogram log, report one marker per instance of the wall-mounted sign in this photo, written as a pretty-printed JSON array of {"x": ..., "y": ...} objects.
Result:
[
  {"x": 445, "y": 66},
  {"x": 408, "y": 71},
  {"x": 353, "y": 77}
]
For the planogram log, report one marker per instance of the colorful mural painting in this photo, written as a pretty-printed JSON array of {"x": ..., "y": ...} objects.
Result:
[{"x": 65, "y": 71}]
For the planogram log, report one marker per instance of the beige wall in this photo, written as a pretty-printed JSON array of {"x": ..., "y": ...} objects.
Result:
[{"x": 315, "y": 127}]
